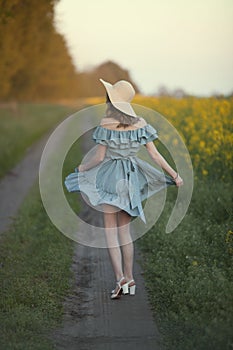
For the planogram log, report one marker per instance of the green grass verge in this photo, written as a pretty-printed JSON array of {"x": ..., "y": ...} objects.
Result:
[
  {"x": 189, "y": 273},
  {"x": 35, "y": 275},
  {"x": 20, "y": 128}
]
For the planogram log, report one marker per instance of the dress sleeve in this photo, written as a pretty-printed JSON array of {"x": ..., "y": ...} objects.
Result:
[
  {"x": 148, "y": 134},
  {"x": 100, "y": 135}
]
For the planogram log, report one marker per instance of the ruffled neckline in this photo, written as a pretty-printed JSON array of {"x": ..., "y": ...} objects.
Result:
[{"x": 123, "y": 138}]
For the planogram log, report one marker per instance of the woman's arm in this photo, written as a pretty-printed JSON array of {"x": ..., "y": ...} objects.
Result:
[
  {"x": 158, "y": 159},
  {"x": 98, "y": 158}
]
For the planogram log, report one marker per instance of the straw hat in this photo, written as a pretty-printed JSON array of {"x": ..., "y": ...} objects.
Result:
[{"x": 120, "y": 95}]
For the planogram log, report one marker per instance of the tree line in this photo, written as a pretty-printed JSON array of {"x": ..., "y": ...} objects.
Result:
[{"x": 35, "y": 63}]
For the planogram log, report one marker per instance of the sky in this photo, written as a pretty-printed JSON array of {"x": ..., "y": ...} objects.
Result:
[{"x": 174, "y": 43}]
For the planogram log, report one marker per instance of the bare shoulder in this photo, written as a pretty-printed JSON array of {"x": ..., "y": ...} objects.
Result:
[{"x": 142, "y": 122}]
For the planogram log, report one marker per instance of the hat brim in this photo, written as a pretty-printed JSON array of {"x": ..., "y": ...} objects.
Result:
[{"x": 116, "y": 100}]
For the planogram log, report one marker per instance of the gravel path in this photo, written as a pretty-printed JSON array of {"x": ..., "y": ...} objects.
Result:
[
  {"x": 91, "y": 319},
  {"x": 16, "y": 184}
]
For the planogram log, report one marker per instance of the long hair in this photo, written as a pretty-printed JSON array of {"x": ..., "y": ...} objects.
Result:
[{"x": 125, "y": 120}]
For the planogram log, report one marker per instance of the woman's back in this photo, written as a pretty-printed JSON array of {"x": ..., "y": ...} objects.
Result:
[{"x": 111, "y": 123}]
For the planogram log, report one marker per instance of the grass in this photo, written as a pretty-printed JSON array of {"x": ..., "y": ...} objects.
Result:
[
  {"x": 189, "y": 272},
  {"x": 35, "y": 275},
  {"x": 21, "y": 127}
]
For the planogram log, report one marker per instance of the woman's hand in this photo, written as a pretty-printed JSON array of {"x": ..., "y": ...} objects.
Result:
[
  {"x": 178, "y": 180},
  {"x": 79, "y": 167}
]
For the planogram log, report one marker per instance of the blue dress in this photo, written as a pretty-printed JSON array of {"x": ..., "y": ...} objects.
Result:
[{"x": 122, "y": 179}]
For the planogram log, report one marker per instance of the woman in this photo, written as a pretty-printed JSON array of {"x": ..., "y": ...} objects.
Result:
[{"x": 119, "y": 181}]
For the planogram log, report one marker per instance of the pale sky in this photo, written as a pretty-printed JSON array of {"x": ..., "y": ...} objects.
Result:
[{"x": 177, "y": 43}]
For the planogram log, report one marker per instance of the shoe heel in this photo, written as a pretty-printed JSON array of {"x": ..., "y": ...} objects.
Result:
[
  {"x": 132, "y": 289},
  {"x": 125, "y": 288}
]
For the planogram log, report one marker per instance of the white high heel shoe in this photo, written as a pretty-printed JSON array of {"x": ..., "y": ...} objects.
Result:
[
  {"x": 127, "y": 288},
  {"x": 116, "y": 293},
  {"x": 131, "y": 287}
]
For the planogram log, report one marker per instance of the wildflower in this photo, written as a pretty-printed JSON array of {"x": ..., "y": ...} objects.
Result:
[
  {"x": 229, "y": 236},
  {"x": 202, "y": 144}
]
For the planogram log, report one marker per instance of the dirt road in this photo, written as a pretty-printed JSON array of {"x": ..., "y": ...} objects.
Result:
[{"x": 16, "y": 184}]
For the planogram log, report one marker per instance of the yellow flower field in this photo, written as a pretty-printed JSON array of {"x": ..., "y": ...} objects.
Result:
[{"x": 206, "y": 126}]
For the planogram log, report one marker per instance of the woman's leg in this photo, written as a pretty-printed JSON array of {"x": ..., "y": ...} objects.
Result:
[
  {"x": 110, "y": 222},
  {"x": 126, "y": 243}
]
